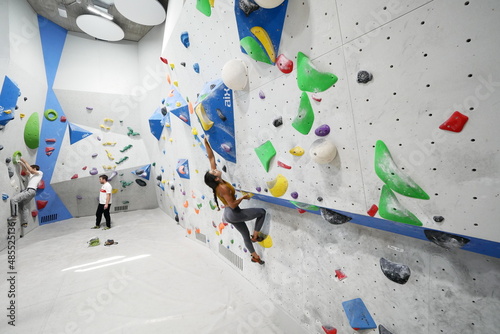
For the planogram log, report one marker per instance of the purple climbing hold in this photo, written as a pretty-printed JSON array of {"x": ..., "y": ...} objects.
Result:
[
  {"x": 322, "y": 130},
  {"x": 225, "y": 147},
  {"x": 259, "y": 189},
  {"x": 79, "y": 197},
  {"x": 294, "y": 195},
  {"x": 112, "y": 175},
  {"x": 93, "y": 171},
  {"x": 262, "y": 95}
]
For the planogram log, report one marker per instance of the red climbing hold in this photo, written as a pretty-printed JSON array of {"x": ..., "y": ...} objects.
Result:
[
  {"x": 164, "y": 60},
  {"x": 23, "y": 173},
  {"x": 74, "y": 177},
  {"x": 329, "y": 329},
  {"x": 63, "y": 119},
  {"x": 41, "y": 204},
  {"x": 373, "y": 210},
  {"x": 340, "y": 275},
  {"x": 41, "y": 184},
  {"x": 283, "y": 165},
  {"x": 301, "y": 210},
  {"x": 34, "y": 213},
  {"x": 284, "y": 64},
  {"x": 455, "y": 123},
  {"x": 50, "y": 140}
]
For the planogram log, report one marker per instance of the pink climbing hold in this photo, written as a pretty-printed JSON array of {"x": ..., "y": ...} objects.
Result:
[
  {"x": 284, "y": 64},
  {"x": 455, "y": 123},
  {"x": 373, "y": 210},
  {"x": 226, "y": 147},
  {"x": 41, "y": 204},
  {"x": 283, "y": 165}
]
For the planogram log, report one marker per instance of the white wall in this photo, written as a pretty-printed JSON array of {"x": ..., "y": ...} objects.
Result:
[{"x": 420, "y": 58}]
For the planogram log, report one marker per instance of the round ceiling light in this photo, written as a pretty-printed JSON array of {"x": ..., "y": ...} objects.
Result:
[
  {"x": 100, "y": 28},
  {"x": 149, "y": 13}
]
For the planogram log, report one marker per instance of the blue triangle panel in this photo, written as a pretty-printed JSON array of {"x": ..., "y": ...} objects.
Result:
[
  {"x": 76, "y": 133},
  {"x": 183, "y": 168},
  {"x": 53, "y": 130},
  {"x": 8, "y": 100},
  {"x": 143, "y": 172},
  {"x": 55, "y": 209},
  {"x": 53, "y": 38},
  {"x": 156, "y": 123}
]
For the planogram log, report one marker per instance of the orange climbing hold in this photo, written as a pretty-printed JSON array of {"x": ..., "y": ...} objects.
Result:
[
  {"x": 455, "y": 123},
  {"x": 186, "y": 204}
]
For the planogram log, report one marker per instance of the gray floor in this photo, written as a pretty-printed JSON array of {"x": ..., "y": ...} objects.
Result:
[{"x": 153, "y": 281}]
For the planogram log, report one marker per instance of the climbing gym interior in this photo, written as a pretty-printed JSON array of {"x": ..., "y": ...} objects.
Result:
[{"x": 365, "y": 129}]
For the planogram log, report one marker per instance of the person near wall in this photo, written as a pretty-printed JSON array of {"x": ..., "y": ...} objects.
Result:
[
  {"x": 232, "y": 212},
  {"x": 21, "y": 200},
  {"x": 104, "y": 203}
]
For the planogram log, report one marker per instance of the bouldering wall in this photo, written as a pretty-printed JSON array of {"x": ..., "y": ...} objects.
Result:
[
  {"x": 381, "y": 199},
  {"x": 72, "y": 105},
  {"x": 23, "y": 87}
]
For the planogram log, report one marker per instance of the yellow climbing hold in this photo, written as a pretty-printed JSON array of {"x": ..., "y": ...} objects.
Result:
[
  {"x": 297, "y": 151},
  {"x": 171, "y": 139},
  {"x": 7, "y": 111},
  {"x": 108, "y": 143},
  {"x": 178, "y": 104},
  {"x": 172, "y": 66},
  {"x": 266, "y": 42},
  {"x": 206, "y": 123},
  {"x": 176, "y": 83},
  {"x": 245, "y": 193},
  {"x": 109, "y": 120},
  {"x": 114, "y": 191},
  {"x": 278, "y": 186},
  {"x": 267, "y": 242},
  {"x": 22, "y": 115},
  {"x": 194, "y": 131},
  {"x": 110, "y": 156}
]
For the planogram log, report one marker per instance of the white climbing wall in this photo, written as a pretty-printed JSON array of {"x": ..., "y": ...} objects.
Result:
[{"x": 428, "y": 59}]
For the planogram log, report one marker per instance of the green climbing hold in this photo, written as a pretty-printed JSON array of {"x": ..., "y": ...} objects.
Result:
[
  {"x": 391, "y": 209},
  {"x": 50, "y": 115},
  {"x": 395, "y": 179},
  {"x": 212, "y": 205},
  {"x": 204, "y": 7},
  {"x": 254, "y": 50},
  {"x": 16, "y": 157},
  {"x": 266, "y": 152},
  {"x": 305, "y": 118},
  {"x": 305, "y": 206},
  {"x": 309, "y": 79},
  {"x": 32, "y": 131}
]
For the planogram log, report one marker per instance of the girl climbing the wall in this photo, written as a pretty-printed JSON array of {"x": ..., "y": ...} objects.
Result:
[{"x": 232, "y": 212}]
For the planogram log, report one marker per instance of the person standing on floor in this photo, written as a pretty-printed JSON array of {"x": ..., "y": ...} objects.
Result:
[
  {"x": 104, "y": 203},
  {"x": 22, "y": 199},
  {"x": 232, "y": 212}
]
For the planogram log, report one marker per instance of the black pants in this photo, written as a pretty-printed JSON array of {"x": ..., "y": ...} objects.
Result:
[
  {"x": 98, "y": 215},
  {"x": 238, "y": 217}
]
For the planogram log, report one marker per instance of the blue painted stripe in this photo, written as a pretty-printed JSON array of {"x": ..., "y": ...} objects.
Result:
[{"x": 476, "y": 245}]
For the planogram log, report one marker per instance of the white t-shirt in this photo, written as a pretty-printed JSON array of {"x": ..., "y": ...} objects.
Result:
[
  {"x": 105, "y": 189},
  {"x": 34, "y": 179}
]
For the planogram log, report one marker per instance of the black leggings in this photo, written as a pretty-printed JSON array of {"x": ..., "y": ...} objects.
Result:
[
  {"x": 238, "y": 217},
  {"x": 98, "y": 215}
]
